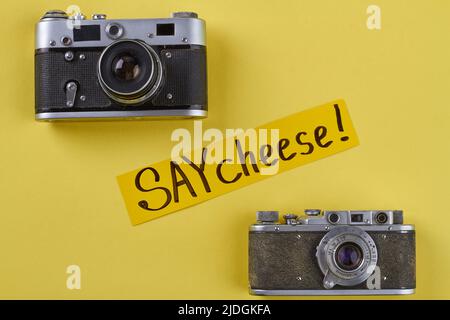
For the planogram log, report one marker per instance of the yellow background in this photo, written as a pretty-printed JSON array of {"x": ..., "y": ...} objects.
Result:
[{"x": 60, "y": 203}]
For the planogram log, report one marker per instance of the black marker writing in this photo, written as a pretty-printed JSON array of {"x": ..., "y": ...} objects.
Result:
[{"x": 339, "y": 121}]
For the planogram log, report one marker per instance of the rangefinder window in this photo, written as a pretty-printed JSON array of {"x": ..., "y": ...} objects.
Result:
[
  {"x": 86, "y": 33},
  {"x": 357, "y": 218},
  {"x": 165, "y": 29}
]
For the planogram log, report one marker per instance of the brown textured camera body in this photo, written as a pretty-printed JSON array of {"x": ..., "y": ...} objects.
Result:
[{"x": 301, "y": 258}]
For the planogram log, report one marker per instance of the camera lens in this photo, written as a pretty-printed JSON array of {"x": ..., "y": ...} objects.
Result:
[
  {"x": 381, "y": 217},
  {"x": 348, "y": 256},
  {"x": 126, "y": 67},
  {"x": 129, "y": 71}
]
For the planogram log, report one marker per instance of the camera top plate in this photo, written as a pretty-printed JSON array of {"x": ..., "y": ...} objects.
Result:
[
  {"x": 59, "y": 31},
  {"x": 318, "y": 220}
]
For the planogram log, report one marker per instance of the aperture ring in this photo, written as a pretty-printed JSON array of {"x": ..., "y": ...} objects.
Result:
[{"x": 146, "y": 91}]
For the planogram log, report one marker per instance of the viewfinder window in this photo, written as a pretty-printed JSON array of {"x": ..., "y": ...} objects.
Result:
[
  {"x": 86, "y": 33},
  {"x": 165, "y": 29},
  {"x": 357, "y": 218}
]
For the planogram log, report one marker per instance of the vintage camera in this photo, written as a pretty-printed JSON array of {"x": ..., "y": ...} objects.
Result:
[
  {"x": 108, "y": 69},
  {"x": 332, "y": 253}
]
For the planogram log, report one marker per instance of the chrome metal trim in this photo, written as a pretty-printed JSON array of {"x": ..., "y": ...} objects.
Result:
[
  {"x": 192, "y": 29},
  {"x": 350, "y": 292},
  {"x": 327, "y": 227},
  {"x": 117, "y": 115},
  {"x": 345, "y": 217}
]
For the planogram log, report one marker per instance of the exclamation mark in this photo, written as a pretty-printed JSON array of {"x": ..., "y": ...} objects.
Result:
[{"x": 339, "y": 122}]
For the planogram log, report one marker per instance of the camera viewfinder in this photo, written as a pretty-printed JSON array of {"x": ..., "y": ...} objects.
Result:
[
  {"x": 357, "y": 218},
  {"x": 165, "y": 29}
]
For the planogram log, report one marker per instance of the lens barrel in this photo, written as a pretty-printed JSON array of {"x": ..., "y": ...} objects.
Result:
[
  {"x": 129, "y": 71},
  {"x": 347, "y": 256}
]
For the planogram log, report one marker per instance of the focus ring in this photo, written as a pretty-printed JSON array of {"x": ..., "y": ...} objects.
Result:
[{"x": 133, "y": 92}]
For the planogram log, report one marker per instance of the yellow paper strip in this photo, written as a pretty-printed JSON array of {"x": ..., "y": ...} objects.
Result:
[{"x": 167, "y": 186}]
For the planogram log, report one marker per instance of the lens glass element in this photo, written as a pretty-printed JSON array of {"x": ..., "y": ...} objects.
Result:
[
  {"x": 126, "y": 67},
  {"x": 348, "y": 256}
]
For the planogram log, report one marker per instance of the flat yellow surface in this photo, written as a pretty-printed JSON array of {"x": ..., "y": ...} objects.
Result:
[{"x": 60, "y": 202}]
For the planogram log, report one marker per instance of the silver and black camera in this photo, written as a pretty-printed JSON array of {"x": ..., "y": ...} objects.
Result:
[
  {"x": 366, "y": 252},
  {"x": 99, "y": 68}
]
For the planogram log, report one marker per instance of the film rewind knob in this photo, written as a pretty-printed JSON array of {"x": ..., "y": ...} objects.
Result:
[{"x": 267, "y": 216}]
